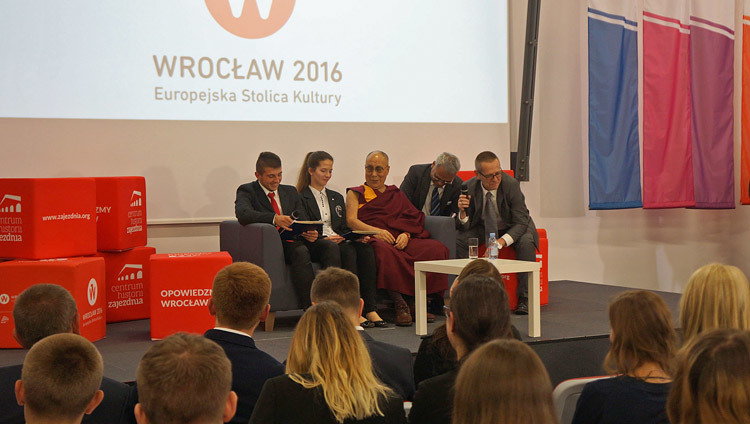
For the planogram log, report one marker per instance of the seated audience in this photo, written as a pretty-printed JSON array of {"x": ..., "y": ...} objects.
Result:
[
  {"x": 641, "y": 352},
  {"x": 391, "y": 363},
  {"x": 268, "y": 201},
  {"x": 436, "y": 355},
  {"x": 324, "y": 204},
  {"x": 185, "y": 378},
  {"x": 401, "y": 238},
  {"x": 41, "y": 311},
  {"x": 330, "y": 377},
  {"x": 479, "y": 312},
  {"x": 716, "y": 296},
  {"x": 60, "y": 380},
  {"x": 712, "y": 380},
  {"x": 239, "y": 300},
  {"x": 503, "y": 381}
]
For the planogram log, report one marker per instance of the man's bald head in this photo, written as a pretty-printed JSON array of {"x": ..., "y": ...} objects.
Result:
[{"x": 379, "y": 153}]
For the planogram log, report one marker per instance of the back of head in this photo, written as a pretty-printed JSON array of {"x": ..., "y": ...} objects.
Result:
[
  {"x": 240, "y": 294},
  {"x": 267, "y": 160},
  {"x": 61, "y": 374},
  {"x": 712, "y": 380},
  {"x": 449, "y": 162},
  {"x": 327, "y": 347},
  {"x": 480, "y": 267},
  {"x": 182, "y": 379},
  {"x": 716, "y": 296},
  {"x": 42, "y": 310},
  {"x": 642, "y": 330},
  {"x": 503, "y": 381},
  {"x": 484, "y": 157},
  {"x": 336, "y": 285},
  {"x": 481, "y": 311}
]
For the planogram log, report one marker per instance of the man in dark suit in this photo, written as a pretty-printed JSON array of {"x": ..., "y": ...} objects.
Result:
[
  {"x": 43, "y": 310},
  {"x": 268, "y": 201},
  {"x": 434, "y": 188},
  {"x": 239, "y": 301},
  {"x": 496, "y": 195},
  {"x": 392, "y": 364}
]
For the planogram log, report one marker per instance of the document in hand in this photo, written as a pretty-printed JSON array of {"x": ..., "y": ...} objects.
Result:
[
  {"x": 358, "y": 234},
  {"x": 299, "y": 227}
]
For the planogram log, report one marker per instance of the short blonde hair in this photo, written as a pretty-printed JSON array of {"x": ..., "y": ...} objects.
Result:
[
  {"x": 642, "y": 331},
  {"x": 503, "y": 381},
  {"x": 184, "y": 378},
  {"x": 61, "y": 374},
  {"x": 327, "y": 347},
  {"x": 716, "y": 296},
  {"x": 240, "y": 293},
  {"x": 712, "y": 380}
]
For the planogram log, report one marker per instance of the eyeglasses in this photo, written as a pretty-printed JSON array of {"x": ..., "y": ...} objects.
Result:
[
  {"x": 446, "y": 311},
  {"x": 378, "y": 169},
  {"x": 437, "y": 180},
  {"x": 494, "y": 176}
]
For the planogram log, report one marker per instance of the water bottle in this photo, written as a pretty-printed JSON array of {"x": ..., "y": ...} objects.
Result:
[{"x": 492, "y": 247}]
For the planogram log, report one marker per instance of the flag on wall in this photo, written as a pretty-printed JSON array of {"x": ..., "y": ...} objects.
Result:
[
  {"x": 667, "y": 143},
  {"x": 712, "y": 90},
  {"x": 614, "y": 157},
  {"x": 745, "y": 160}
]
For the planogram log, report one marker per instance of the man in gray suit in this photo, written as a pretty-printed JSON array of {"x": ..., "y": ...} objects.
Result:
[{"x": 495, "y": 204}]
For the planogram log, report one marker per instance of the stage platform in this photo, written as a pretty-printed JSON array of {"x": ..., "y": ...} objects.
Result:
[{"x": 575, "y": 331}]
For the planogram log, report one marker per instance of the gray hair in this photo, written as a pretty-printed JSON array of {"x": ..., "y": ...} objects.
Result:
[
  {"x": 43, "y": 310},
  {"x": 449, "y": 162}
]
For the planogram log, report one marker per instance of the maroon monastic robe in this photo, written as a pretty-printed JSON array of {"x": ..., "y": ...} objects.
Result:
[{"x": 393, "y": 211}]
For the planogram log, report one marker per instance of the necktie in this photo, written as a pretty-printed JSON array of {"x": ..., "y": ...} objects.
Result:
[
  {"x": 490, "y": 216},
  {"x": 435, "y": 202},
  {"x": 275, "y": 205}
]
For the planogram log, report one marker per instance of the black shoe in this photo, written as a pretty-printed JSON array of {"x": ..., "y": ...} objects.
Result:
[
  {"x": 380, "y": 324},
  {"x": 522, "y": 308},
  {"x": 367, "y": 324}
]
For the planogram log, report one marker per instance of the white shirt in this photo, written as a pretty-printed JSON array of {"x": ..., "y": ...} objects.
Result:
[
  {"x": 428, "y": 201},
  {"x": 321, "y": 198},
  {"x": 229, "y": 330}
]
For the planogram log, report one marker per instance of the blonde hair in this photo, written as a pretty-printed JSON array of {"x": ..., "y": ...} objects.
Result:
[
  {"x": 184, "y": 378},
  {"x": 716, "y": 296},
  {"x": 642, "y": 331},
  {"x": 240, "y": 293},
  {"x": 503, "y": 381},
  {"x": 712, "y": 380},
  {"x": 326, "y": 347},
  {"x": 61, "y": 374}
]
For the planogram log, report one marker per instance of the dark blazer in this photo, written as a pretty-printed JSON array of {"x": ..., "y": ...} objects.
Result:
[
  {"x": 284, "y": 401},
  {"x": 335, "y": 204},
  {"x": 510, "y": 203},
  {"x": 433, "y": 402},
  {"x": 251, "y": 367},
  {"x": 416, "y": 184},
  {"x": 392, "y": 365},
  {"x": 253, "y": 206},
  {"x": 116, "y": 407}
]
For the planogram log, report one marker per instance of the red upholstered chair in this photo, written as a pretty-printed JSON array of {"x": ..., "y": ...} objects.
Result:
[{"x": 510, "y": 280}]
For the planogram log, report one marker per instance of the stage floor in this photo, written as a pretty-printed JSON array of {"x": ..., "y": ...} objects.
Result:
[{"x": 574, "y": 326}]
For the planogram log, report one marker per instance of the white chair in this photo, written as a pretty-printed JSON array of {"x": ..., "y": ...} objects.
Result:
[{"x": 566, "y": 394}]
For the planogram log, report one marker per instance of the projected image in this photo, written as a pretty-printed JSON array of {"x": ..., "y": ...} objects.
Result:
[{"x": 255, "y": 60}]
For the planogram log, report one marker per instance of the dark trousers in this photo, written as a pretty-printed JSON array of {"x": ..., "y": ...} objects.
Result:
[
  {"x": 359, "y": 258},
  {"x": 300, "y": 255},
  {"x": 524, "y": 247}
]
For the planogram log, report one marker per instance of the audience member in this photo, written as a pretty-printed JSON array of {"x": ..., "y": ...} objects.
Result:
[
  {"x": 328, "y": 206},
  {"x": 401, "y": 238},
  {"x": 503, "y": 381},
  {"x": 60, "y": 380},
  {"x": 716, "y": 296},
  {"x": 239, "y": 300},
  {"x": 495, "y": 204},
  {"x": 641, "y": 352},
  {"x": 41, "y": 311},
  {"x": 185, "y": 379},
  {"x": 712, "y": 380},
  {"x": 436, "y": 355},
  {"x": 392, "y": 364},
  {"x": 268, "y": 201},
  {"x": 330, "y": 377},
  {"x": 479, "y": 312},
  {"x": 433, "y": 188}
]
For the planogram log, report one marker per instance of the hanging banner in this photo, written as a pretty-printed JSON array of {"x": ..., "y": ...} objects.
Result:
[{"x": 614, "y": 156}]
